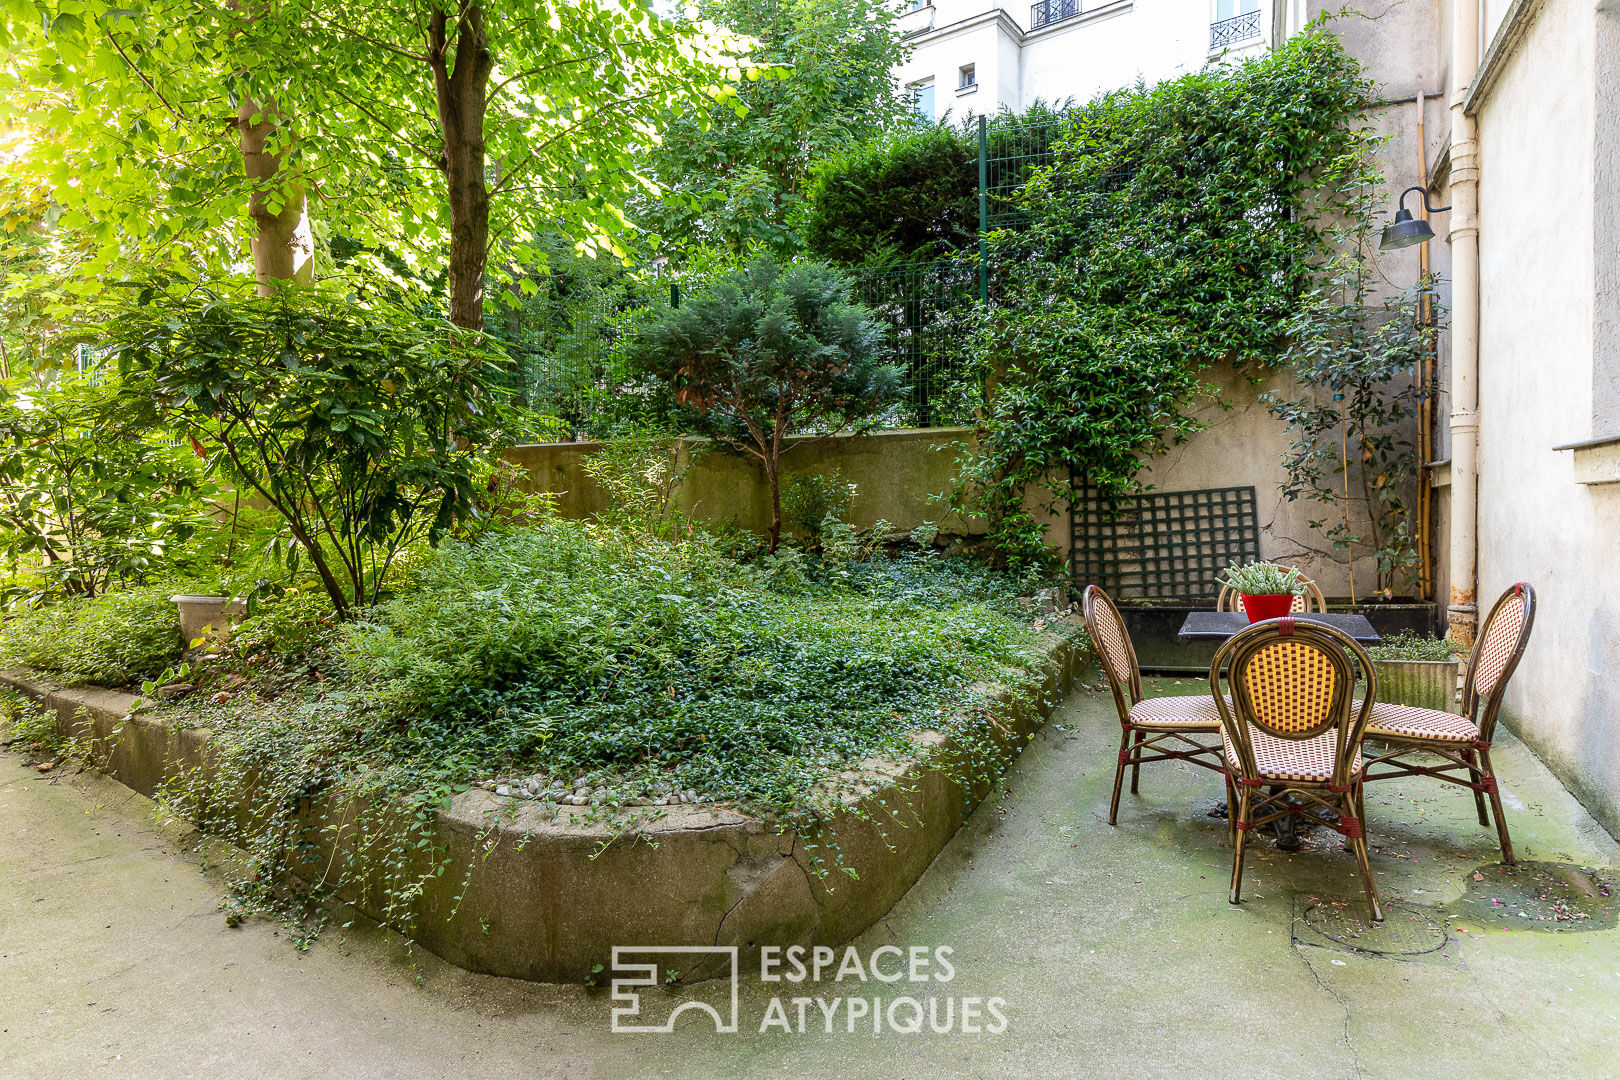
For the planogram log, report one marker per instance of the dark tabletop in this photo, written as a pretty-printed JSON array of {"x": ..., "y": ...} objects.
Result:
[{"x": 1220, "y": 625}]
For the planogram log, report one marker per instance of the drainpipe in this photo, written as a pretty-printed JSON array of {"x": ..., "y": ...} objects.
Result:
[{"x": 1462, "y": 613}]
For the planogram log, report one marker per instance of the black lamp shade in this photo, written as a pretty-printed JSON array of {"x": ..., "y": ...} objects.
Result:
[{"x": 1405, "y": 231}]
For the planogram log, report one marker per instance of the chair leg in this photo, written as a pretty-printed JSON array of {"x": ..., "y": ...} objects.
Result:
[
  {"x": 1136, "y": 766},
  {"x": 1479, "y": 797},
  {"x": 1119, "y": 774},
  {"x": 1240, "y": 811},
  {"x": 1496, "y": 808},
  {"x": 1358, "y": 846},
  {"x": 1231, "y": 810}
]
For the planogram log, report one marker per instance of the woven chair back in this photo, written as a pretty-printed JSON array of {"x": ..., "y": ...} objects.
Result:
[
  {"x": 1497, "y": 652},
  {"x": 1295, "y": 680},
  {"x": 1114, "y": 652}
]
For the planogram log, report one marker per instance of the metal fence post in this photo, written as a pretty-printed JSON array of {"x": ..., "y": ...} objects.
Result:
[
  {"x": 984, "y": 207},
  {"x": 674, "y": 294}
]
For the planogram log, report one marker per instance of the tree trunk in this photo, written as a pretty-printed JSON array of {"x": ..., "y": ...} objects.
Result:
[
  {"x": 283, "y": 245},
  {"x": 773, "y": 478},
  {"x": 460, "y": 94}
]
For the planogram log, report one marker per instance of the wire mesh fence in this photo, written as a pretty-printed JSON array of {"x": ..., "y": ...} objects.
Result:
[{"x": 924, "y": 309}]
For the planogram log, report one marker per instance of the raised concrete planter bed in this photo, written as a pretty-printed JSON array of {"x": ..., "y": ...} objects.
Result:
[{"x": 547, "y": 901}]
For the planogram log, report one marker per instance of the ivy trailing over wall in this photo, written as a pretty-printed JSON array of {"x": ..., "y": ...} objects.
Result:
[{"x": 1179, "y": 226}]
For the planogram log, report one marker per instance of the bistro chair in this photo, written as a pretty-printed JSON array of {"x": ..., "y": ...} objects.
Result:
[
  {"x": 1308, "y": 601},
  {"x": 1292, "y": 734},
  {"x": 1462, "y": 741},
  {"x": 1151, "y": 729}
]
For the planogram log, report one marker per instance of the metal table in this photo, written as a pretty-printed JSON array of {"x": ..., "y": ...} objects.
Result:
[{"x": 1220, "y": 625}]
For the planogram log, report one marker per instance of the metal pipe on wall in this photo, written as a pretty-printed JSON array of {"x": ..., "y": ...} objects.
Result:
[
  {"x": 1462, "y": 612},
  {"x": 1425, "y": 380}
]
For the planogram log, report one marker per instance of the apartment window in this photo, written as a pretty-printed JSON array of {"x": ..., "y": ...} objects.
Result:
[
  {"x": 1235, "y": 21},
  {"x": 967, "y": 77},
  {"x": 923, "y": 98},
  {"x": 917, "y": 5}
]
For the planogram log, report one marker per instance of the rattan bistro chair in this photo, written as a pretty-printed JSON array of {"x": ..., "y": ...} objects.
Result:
[
  {"x": 1462, "y": 741},
  {"x": 1309, "y": 600},
  {"x": 1292, "y": 734},
  {"x": 1151, "y": 729}
]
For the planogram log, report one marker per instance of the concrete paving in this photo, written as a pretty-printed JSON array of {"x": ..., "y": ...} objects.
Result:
[{"x": 1113, "y": 951}]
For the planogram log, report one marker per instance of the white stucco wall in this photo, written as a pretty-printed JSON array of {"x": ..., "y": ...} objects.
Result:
[
  {"x": 1111, "y": 44},
  {"x": 1536, "y": 352}
]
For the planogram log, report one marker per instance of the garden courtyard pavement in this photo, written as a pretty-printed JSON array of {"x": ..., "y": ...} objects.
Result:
[{"x": 1114, "y": 950}]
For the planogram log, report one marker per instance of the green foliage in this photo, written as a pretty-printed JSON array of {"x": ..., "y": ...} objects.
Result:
[
  {"x": 1264, "y": 579},
  {"x": 811, "y": 499},
  {"x": 1178, "y": 227},
  {"x": 1360, "y": 367},
  {"x": 115, "y": 640},
  {"x": 28, "y": 726},
  {"x": 736, "y": 180},
  {"x": 766, "y": 352},
  {"x": 641, "y": 477},
  {"x": 560, "y": 651},
  {"x": 1407, "y": 645},
  {"x": 295, "y": 626},
  {"x": 912, "y": 193},
  {"x": 903, "y": 196},
  {"x": 90, "y": 496},
  {"x": 583, "y": 658},
  {"x": 360, "y": 425},
  {"x": 1074, "y": 387},
  {"x": 130, "y": 112}
]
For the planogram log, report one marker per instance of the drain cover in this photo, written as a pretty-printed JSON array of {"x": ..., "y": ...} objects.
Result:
[
  {"x": 1549, "y": 897},
  {"x": 1407, "y": 930}
]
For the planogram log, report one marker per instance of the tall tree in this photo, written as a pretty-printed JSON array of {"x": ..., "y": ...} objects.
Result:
[
  {"x": 732, "y": 179},
  {"x": 424, "y": 132}
]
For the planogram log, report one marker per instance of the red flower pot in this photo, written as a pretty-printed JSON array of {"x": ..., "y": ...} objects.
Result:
[{"x": 1267, "y": 606}]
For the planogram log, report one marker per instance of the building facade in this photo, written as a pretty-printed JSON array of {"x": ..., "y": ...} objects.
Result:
[{"x": 974, "y": 57}]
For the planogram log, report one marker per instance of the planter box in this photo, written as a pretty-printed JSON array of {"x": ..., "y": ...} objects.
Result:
[
  {"x": 207, "y": 617},
  {"x": 1426, "y": 684},
  {"x": 1154, "y": 626}
]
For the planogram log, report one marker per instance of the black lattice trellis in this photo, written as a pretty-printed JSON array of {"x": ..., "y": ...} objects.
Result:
[{"x": 1165, "y": 545}]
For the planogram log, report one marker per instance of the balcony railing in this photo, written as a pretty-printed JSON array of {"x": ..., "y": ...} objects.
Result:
[
  {"x": 1233, "y": 30},
  {"x": 1048, "y": 12}
]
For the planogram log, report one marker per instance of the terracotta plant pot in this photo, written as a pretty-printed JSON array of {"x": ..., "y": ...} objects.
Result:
[
  {"x": 1267, "y": 606},
  {"x": 207, "y": 616}
]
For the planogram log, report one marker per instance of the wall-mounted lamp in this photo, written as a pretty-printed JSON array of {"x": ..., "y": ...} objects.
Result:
[{"x": 1406, "y": 230}]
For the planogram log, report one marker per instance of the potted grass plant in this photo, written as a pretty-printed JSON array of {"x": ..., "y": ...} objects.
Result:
[
  {"x": 1268, "y": 590},
  {"x": 1417, "y": 671}
]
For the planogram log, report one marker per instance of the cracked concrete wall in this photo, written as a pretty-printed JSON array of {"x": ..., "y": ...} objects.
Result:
[{"x": 1540, "y": 203}]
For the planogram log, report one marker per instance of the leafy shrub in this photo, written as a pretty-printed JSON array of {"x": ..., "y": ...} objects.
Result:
[
  {"x": 361, "y": 425},
  {"x": 559, "y": 651},
  {"x": 1407, "y": 645},
  {"x": 766, "y": 352},
  {"x": 904, "y": 196},
  {"x": 293, "y": 626},
  {"x": 115, "y": 640},
  {"x": 811, "y": 499},
  {"x": 641, "y": 476},
  {"x": 88, "y": 491}
]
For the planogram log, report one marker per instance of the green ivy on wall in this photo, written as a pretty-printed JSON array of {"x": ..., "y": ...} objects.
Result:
[{"x": 1180, "y": 225}]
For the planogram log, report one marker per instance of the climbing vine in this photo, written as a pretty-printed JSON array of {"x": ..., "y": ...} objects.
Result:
[{"x": 1179, "y": 226}]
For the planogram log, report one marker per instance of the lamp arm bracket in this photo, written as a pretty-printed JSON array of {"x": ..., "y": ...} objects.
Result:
[{"x": 1426, "y": 205}]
